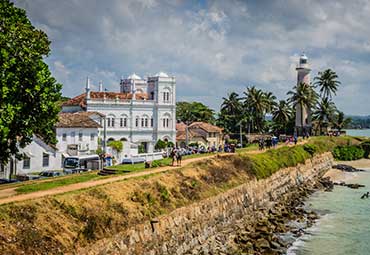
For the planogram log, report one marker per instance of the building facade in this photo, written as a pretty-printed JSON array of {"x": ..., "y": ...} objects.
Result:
[
  {"x": 201, "y": 133},
  {"x": 36, "y": 157},
  {"x": 142, "y": 112},
  {"x": 303, "y": 122}
]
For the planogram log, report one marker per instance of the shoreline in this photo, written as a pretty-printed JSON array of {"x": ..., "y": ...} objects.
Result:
[{"x": 337, "y": 175}]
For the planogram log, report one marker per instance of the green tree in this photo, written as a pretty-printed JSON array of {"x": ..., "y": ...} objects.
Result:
[
  {"x": 28, "y": 92},
  {"x": 194, "y": 111},
  {"x": 281, "y": 115},
  {"x": 324, "y": 113},
  {"x": 303, "y": 95},
  {"x": 231, "y": 112},
  {"x": 328, "y": 83},
  {"x": 340, "y": 121},
  {"x": 116, "y": 145},
  {"x": 258, "y": 103}
]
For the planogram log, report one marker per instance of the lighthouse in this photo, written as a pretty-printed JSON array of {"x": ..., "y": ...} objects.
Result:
[{"x": 303, "y": 116}]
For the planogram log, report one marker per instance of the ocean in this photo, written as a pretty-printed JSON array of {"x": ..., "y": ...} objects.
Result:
[{"x": 344, "y": 224}]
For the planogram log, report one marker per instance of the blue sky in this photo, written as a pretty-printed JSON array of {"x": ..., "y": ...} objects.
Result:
[{"x": 212, "y": 47}]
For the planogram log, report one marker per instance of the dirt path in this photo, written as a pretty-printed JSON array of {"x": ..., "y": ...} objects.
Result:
[{"x": 10, "y": 195}]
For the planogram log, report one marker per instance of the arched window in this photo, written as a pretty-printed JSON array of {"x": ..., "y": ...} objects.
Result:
[
  {"x": 145, "y": 121},
  {"x": 111, "y": 120},
  {"x": 123, "y": 121},
  {"x": 151, "y": 122},
  {"x": 137, "y": 121},
  {"x": 166, "y": 95},
  {"x": 166, "y": 120}
]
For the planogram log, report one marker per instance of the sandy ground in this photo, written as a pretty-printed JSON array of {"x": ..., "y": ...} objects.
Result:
[{"x": 338, "y": 175}]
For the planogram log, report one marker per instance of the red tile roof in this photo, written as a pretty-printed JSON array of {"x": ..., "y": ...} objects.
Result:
[
  {"x": 77, "y": 119},
  {"x": 80, "y": 100},
  {"x": 206, "y": 126}
]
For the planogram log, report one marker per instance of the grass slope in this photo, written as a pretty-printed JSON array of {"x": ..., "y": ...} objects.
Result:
[{"x": 65, "y": 222}]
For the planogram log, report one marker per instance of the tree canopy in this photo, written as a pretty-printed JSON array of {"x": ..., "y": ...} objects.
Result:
[
  {"x": 28, "y": 92},
  {"x": 194, "y": 111}
]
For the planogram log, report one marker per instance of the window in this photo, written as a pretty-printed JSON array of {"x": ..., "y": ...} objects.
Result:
[
  {"x": 151, "y": 122},
  {"x": 166, "y": 96},
  {"x": 73, "y": 134},
  {"x": 121, "y": 122},
  {"x": 146, "y": 122},
  {"x": 125, "y": 122},
  {"x": 164, "y": 122},
  {"x": 92, "y": 136},
  {"x": 108, "y": 122},
  {"x": 142, "y": 122},
  {"x": 137, "y": 122},
  {"x": 64, "y": 137},
  {"x": 80, "y": 136},
  {"x": 26, "y": 162},
  {"x": 45, "y": 159},
  {"x": 112, "y": 122},
  {"x": 167, "y": 122}
]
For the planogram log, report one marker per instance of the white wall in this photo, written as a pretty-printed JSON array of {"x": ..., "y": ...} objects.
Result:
[{"x": 85, "y": 144}]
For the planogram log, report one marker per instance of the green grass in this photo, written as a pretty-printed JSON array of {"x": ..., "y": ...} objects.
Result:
[
  {"x": 250, "y": 147},
  {"x": 38, "y": 186}
]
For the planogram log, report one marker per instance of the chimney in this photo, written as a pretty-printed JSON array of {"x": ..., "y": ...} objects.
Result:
[
  {"x": 100, "y": 86},
  {"x": 87, "y": 88}
]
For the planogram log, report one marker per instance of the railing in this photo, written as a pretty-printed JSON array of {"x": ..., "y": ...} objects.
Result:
[{"x": 149, "y": 156}]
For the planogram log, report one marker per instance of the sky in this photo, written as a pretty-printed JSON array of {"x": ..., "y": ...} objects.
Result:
[{"x": 212, "y": 47}]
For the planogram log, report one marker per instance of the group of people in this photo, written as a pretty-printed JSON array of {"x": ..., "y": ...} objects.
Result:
[
  {"x": 268, "y": 143},
  {"x": 176, "y": 156}
]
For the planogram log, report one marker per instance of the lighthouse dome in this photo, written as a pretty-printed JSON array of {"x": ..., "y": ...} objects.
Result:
[{"x": 303, "y": 59}]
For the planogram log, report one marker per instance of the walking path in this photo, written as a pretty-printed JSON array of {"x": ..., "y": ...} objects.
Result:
[{"x": 10, "y": 195}]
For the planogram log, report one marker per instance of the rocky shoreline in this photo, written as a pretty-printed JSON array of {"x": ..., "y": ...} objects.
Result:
[{"x": 269, "y": 231}]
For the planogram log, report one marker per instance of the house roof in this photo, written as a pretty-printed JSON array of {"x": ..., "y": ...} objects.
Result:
[
  {"x": 80, "y": 100},
  {"x": 77, "y": 119},
  {"x": 206, "y": 126},
  {"x": 181, "y": 135}
]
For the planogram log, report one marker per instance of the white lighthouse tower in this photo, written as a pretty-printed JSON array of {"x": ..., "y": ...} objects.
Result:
[{"x": 303, "y": 116}]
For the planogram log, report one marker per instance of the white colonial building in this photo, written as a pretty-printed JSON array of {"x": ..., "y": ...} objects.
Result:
[{"x": 142, "y": 112}]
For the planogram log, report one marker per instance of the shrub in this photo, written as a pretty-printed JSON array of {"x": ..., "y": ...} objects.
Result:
[
  {"x": 366, "y": 147},
  {"x": 116, "y": 145},
  {"x": 310, "y": 148},
  {"x": 351, "y": 152},
  {"x": 160, "y": 145}
]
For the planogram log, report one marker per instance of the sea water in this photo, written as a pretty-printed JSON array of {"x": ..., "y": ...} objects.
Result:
[
  {"x": 358, "y": 132},
  {"x": 344, "y": 224}
]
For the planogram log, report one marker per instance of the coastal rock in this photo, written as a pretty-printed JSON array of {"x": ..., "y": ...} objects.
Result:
[{"x": 347, "y": 168}]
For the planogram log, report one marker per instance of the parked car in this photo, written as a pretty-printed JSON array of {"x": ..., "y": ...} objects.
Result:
[{"x": 46, "y": 174}]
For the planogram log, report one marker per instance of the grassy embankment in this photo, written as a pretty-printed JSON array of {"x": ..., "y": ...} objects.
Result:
[
  {"x": 65, "y": 222},
  {"x": 46, "y": 184}
]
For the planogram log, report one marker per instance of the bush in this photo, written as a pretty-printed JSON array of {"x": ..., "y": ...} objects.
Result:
[
  {"x": 310, "y": 148},
  {"x": 366, "y": 147},
  {"x": 116, "y": 145},
  {"x": 160, "y": 145},
  {"x": 351, "y": 152}
]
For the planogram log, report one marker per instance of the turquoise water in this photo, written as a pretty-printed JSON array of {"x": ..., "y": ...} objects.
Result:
[
  {"x": 344, "y": 226},
  {"x": 358, "y": 132}
]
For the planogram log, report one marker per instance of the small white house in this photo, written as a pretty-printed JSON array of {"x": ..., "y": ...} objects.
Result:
[
  {"x": 37, "y": 156},
  {"x": 78, "y": 133}
]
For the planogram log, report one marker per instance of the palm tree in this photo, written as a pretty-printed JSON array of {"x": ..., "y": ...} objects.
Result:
[
  {"x": 340, "y": 121},
  {"x": 231, "y": 104},
  {"x": 324, "y": 113},
  {"x": 281, "y": 114},
  {"x": 257, "y": 104},
  {"x": 231, "y": 110},
  {"x": 271, "y": 100},
  {"x": 303, "y": 96},
  {"x": 328, "y": 83}
]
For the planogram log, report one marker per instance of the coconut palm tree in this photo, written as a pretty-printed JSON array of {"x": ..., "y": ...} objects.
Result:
[
  {"x": 303, "y": 96},
  {"x": 257, "y": 104},
  {"x": 328, "y": 83},
  {"x": 281, "y": 114},
  {"x": 340, "y": 121},
  {"x": 324, "y": 113},
  {"x": 231, "y": 110},
  {"x": 231, "y": 104}
]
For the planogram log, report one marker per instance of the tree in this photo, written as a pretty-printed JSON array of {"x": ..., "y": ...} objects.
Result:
[
  {"x": 304, "y": 96},
  {"x": 328, "y": 83},
  {"x": 231, "y": 112},
  {"x": 340, "y": 121},
  {"x": 28, "y": 92},
  {"x": 281, "y": 115},
  {"x": 324, "y": 113},
  {"x": 258, "y": 103},
  {"x": 194, "y": 111}
]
